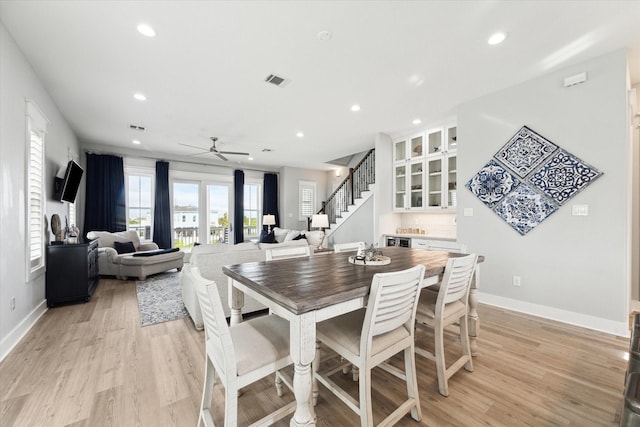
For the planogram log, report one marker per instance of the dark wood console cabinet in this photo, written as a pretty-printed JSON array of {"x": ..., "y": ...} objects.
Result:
[{"x": 72, "y": 272}]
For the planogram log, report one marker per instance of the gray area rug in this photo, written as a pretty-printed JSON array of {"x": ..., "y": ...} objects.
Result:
[{"x": 160, "y": 299}]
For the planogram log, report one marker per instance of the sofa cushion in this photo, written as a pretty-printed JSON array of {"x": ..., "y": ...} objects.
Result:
[
  {"x": 280, "y": 234},
  {"x": 267, "y": 237},
  {"x": 124, "y": 247},
  {"x": 106, "y": 239}
]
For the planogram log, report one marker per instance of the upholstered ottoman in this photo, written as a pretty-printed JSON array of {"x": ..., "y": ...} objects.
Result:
[{"x": 141, "y": 266}]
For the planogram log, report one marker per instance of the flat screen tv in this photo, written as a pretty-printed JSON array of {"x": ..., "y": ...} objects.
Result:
[{"x": 66, "y": 188}]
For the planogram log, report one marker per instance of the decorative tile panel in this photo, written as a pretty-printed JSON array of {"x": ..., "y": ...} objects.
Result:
[
  {"x": 523, "y": 209},
  {"x": 492, "y": 183},
  {"x": 530, "y": 178},
  {"x": 563, "y": 176},
  {"x": 524, "y": 151}
]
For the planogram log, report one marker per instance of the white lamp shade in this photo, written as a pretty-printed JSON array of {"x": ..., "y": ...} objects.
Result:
[
  {"x": 320, "y": 221},
  {"x": 268, "y": 220}
]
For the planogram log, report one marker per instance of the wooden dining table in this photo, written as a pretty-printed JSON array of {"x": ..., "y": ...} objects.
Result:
[{"x": 306, "y": 291}]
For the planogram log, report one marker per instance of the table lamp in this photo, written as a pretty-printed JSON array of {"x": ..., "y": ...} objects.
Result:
[
  {"x": 269, "y": 220},
  {"x": 320, "y": 221}
]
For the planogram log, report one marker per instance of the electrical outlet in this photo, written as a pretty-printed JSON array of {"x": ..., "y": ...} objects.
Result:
[
  {"x": 516, "y": 281},
  {"x": 12, "y": 303}
]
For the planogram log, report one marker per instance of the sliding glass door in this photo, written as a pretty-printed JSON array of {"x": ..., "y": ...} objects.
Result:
[
  {"x": 186, "y": 214},
  {"x": 218, "y": 213}
]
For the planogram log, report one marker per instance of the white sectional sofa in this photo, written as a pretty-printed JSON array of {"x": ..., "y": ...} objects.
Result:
[{"x": 211, "y": 258}]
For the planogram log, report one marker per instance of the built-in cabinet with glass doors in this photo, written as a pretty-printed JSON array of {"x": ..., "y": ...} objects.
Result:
[{"x": 425, "y": 170}]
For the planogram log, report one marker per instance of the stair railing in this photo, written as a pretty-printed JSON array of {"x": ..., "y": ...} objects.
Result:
[{"x": 351, "y": 188}]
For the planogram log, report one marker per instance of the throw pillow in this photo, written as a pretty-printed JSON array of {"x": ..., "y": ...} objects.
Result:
[
  {"x": 291, "y": 235},
  {"x": 267, "y": 237},
  {"x": 280, "y": 233},
  {"x": 124, "y": 247}
]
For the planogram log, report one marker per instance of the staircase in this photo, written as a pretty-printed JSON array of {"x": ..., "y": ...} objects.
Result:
[{"x": 356, "y": 188}]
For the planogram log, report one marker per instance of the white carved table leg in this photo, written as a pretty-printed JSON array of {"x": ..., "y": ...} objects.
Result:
[
  {"x": 236, "y": 302},
  {"x": 474, "y": 320},
  {"x": 303, "y": 350}
]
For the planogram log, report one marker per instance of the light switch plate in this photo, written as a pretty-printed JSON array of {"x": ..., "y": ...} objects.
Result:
[{"x": 580, "y": 210}]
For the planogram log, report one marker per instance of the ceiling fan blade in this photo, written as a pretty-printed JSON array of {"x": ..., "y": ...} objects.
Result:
[
  {"x": 193, "y": 146},
  {"x": 234, "y": 152},
  {"x": 221, "y": 156}
]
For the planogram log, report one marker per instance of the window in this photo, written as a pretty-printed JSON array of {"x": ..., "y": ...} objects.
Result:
[
  {"x": 36, "y": 131},
  {"x": 307, "y": 199},
  {"x": 251, "y": 210},
  {"x": 140, "y": 199}
]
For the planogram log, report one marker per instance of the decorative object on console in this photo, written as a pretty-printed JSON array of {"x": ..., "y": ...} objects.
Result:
[
  {"x": 530, "y": 178},
  {"x": 56, "y": 228}
]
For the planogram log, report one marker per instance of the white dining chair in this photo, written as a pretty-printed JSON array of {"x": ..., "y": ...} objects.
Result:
[
  {"x": 448, "y": 306},
  {"x": 287, "y": 252},
  {"x": 240, "y": 354},
  {"x": 348, "y": 247},
  {"x": 368, "y": 337}
]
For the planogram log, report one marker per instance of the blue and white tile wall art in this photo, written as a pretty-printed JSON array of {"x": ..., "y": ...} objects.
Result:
[{"x": 530, "y": 178}]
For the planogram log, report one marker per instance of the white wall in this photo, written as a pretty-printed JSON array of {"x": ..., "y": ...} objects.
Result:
[
  {"x": 17, "y": 83},
  {"x": 635, "y": 196},
  {"x": 357, "y": 228},
  {"x": 573, "y": 268},
  {"x": 289, "y": 194}
]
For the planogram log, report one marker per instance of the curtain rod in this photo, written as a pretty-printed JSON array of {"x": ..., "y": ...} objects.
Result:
[{"x": 179, "y": 161}]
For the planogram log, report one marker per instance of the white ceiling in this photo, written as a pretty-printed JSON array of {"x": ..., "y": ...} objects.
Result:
[{"x": 204, "y": 73}]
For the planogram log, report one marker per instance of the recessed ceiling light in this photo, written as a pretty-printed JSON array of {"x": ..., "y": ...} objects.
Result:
[
  {"x": 135, "y": 141},
  {"x": 140, "y": 96},
  {"x": 300, "y": 135},
  {"x": 355, "y": 107},
  {"x": 249, "y": 158},
  {"x": 146, "y": 30},
  {"x": 416, "y": 121},
  {"x": 497, "y": 38}
]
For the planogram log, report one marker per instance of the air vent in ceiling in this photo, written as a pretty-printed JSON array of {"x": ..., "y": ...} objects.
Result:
[
  {"x": 138, "y": 128},
  {"x": 277, "y": 80}
]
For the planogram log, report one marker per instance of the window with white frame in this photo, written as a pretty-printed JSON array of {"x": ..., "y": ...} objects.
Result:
[
  {"x": 140, "y": 200},
  {"x": 307, "y": 198},
  {"x": 35, "y": 141},
  {"x": 252, "y": 207}
]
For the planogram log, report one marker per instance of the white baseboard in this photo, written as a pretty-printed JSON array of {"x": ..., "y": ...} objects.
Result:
[
  {"x": 21, "y": 330},
  {"x": 570, "y": 317}
]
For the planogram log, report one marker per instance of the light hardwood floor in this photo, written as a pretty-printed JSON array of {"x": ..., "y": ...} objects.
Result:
[{"x": 93, "y": 365}]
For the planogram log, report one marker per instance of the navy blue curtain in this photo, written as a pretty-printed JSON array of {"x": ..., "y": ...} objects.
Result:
[
  {"x": 105, "y": 209},
  {"x": 162, "y": 209},
  {"x": 238, "y": 206},
  {"x": 270, "y": 196}
]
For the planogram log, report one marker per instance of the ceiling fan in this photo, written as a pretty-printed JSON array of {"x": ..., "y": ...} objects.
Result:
[{"x": 215, "y": 151}]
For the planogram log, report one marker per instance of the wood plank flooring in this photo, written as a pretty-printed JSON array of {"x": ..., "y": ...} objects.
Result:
[{"x": 94, "y": 365}]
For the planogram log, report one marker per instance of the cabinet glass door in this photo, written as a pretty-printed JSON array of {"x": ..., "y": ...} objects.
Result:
[
  {"x": 416, "y": 184},
  {"x": 399, "y": 151},
  {"x": 452, "y": 138},
  {"x": 435, "y": 142},
  {"x": 452, "y": 182},
  {"x": 434, "y": 170},
  {"x": 400, "y": 176},
  {"x": 417, "y": 146}
]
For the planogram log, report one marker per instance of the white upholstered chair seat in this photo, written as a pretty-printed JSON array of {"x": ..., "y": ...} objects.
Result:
[
  {"x": 427, "y": 306},
  {"x": 269, "y": 338},
  {"x": 346, "y": 332}
]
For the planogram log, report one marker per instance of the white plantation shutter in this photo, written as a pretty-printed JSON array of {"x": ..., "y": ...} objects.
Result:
[
  {"x": 307, "y": 199},
  {"x": 35, "y": 199},
  {"x": 36, "y": 131}
]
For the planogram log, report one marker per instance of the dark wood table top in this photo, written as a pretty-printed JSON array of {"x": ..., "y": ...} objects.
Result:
[{"x": 305, "y": 284}]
